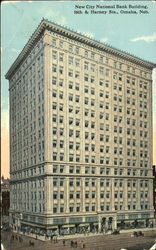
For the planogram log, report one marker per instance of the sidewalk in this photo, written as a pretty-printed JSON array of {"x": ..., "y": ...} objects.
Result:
[
  {"x": 92, "y": 242},
  {"x": 42, "y": 238}
]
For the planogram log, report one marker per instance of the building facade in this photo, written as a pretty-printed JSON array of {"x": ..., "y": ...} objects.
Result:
[
  {"x": 81, "y": 135},
  {"x": 5, "y": 196},
  {"x": 154, "y": 188}
]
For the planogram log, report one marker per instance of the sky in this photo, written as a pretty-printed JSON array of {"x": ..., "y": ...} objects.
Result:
[{"x": 135, "y": 34}]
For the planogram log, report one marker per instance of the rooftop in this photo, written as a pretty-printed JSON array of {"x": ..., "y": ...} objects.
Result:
[{"x": 62, "y": 30}]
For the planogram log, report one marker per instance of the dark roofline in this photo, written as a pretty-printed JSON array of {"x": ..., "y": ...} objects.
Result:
[{"x": 46, "y": 24}]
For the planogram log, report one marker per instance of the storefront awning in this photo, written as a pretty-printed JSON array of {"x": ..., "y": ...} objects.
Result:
[
  {"x": 30, "y": 224},
  {"x": 66, "y": 226},
  {"x": 53, "y": 227},
  {"x": 84, "y": 225}
]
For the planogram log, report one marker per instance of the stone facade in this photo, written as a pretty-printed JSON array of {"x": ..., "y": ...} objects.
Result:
[{"x": 81, "y": 135}]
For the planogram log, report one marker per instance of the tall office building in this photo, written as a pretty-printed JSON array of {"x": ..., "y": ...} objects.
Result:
[{"x": 80, "y": 135}]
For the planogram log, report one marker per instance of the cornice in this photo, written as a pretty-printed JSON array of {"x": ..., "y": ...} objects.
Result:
[{"x": 61, "y": 30}]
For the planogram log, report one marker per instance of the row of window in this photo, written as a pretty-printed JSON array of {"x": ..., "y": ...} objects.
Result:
[
  {"x": 91, "y": 78},
  {"x": 93, "y": 195},
  {"x": 91, "y": 55},
  {"x": 103, "y": 207},
  {"x": 103, "y": 182},
  {"x": 102, "y": 126}
]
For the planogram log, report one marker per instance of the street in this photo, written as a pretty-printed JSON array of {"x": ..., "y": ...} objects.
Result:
[{"x": 99, "y": 242}]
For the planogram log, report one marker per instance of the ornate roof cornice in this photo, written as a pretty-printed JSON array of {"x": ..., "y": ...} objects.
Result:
[{"x": 61, "y": 30}]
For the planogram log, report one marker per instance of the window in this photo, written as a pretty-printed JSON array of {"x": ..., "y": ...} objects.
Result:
[
  {"x": 77, "y": 87},
  {"x": 77, "y": 62},
  {"x": 70, "y": 60},
  {"x": 54, "y": 143},
  {"x": 70, "y": 73},
  {"x": 77, "y": 50},
  {"x": 92, "y": 102},
  {"x": 61, "y": 131},
  {"x": 107, "y": 171},
  {"x": 61, "y": 144},
  {"x": 77, "y": 134},
  {"x": 54, "y": 80},
  {"x": 70, "y": 97},
  {"x": 86, "y": 77},
  {"x": 54, "y": 156},
  {"x": 92, "y": 79},
  {"x": 61, "y": 157},
  {"x": 77, "y": 158},
  {"x": 61, "y": 95},
  {"x": 78, "y": 195},
  {"x": 77, "y": 98},
  {"x": 77, "y": 74},
  {"x": 54, "y": 55},
  {"x": 86, "y": 100},
  {"x": 86, "y": 158},
  {"x": 61, "y": 196},
  {"x": 55, "y": 210},
  {"x": 61, "y": 57},
  {"x": 54, "y": 42},
  {"x": 61, "y": 119},
  {"x": 77, "y": 146},
  {"x": 61, "y": 69},
  {"x": 86, "y": 53},
  {"x": 71, "y": 209},
  {"x": 61, "y": 169},
  {"x": 92, "y": 67},
  {"x": 101, "y": 82},
  {"x": 86, "y": 65},
  {"x": 101, "y": 70},
  {"x": 54, "y": 67},
  {"x": 71, "y": 157},
  {"x": 54, "y": 131}
]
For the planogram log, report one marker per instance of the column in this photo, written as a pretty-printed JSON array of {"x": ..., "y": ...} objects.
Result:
[
  {"x": 114, "y": 223},
  {"x": 125, "y": 195},
  {"x": 66, "y": 193},
  {"x": 83, "y": 194},
  {"x": 47, "y": 60},
  {"x": 98, "y": 195},
  {"x": 99, "y": 224},
  {"x": 150, "y": 189},
  {"x": 112, "y": 195},
  {"x": 138, "y": 194},
  {"x": 48, "y": 195},
  {"x": 106, "y": 226}
]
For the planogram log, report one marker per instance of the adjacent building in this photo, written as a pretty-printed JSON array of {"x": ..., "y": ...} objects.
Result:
[
  {"x": 154, "y": 188},
  {"x": 80, "y": 135},
  {"x": 5, "y": 196}
]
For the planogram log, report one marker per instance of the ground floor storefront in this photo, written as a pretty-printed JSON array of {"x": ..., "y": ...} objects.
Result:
[{"x": 97, "y": 223}]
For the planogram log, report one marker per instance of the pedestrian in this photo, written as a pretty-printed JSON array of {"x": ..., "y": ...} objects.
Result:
[
  {"x": 76, "y": 244},
  {"x": 64, "y": 242},
  {"x": 83, "y": 245},
  {"x": 54, "y": 239},
  {"x": 71, "y": 243},
  {"x": 51, "y": 238}
]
